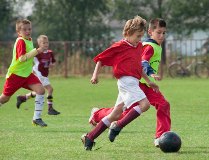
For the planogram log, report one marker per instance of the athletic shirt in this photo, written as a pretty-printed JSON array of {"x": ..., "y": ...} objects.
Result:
[
  {"x": 154, "y": 61},
  {"x": 42, "y": 62},
  {"x": 22, "y": 69},
  {"x": 124, "y": 58}
]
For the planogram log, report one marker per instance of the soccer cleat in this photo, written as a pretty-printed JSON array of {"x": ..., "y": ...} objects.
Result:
[
  {"x": 88, "y": 144},
  {"x": 91, "y": 121},
  {"x": 156, "y": 142},
  {"x": 39, "y": 122},
  {"x": 52, "y": 111},
  {"x": 20, "y": 100},
  {"x": 113, "y": 131}
]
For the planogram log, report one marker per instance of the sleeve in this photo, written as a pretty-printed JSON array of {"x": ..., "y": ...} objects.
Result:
[
  {"x": 147, "y": 68},
  {"x": 20, "y": 48},
  {"x": 53, "y": 60},
  {"x": 106, "y": 57},
  {"x": 147, "y": 52}
]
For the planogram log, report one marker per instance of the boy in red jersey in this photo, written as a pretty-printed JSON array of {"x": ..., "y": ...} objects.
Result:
[
  {"x": 124, "y": 56},
  {"x": 41, "y": 68},
  {"x": 20, "y": 74},
  {"x": 151, "y": 57}
]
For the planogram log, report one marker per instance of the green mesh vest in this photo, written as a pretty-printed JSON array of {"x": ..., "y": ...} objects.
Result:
[
  {"x": 23, "y": 69},
  {"x": 154, "y": 60}
]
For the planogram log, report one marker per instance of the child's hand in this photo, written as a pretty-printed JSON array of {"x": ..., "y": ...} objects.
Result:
[
  {"x": 156, "y": 77},
  {"x": 40, "y": 50},
  {"x": 154, "y": 86},
  {"x": 94, "y": 79}
]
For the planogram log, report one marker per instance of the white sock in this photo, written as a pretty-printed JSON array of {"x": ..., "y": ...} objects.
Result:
[
  {"x": 138, "y": 109},
  {"x": 106, "y": 121},
  {"x": 39, "y": 103}
]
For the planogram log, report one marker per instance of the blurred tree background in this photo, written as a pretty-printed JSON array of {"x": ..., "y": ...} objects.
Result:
[{"x": 70, "y": 20}]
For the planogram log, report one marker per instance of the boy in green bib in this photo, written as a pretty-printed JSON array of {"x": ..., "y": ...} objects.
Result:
[{"x": 20, "y": 74}]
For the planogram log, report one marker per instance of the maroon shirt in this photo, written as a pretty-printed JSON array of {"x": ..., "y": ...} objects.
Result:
[{"x": 42, "y": 62}]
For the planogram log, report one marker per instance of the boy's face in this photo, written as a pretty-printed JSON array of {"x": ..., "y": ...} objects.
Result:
[
  {"x": 25, "y": 31},
  {"x": 158, "y": 34},
  {"x": 135, "y": 38},
  {"x": 43, "y": 43}
]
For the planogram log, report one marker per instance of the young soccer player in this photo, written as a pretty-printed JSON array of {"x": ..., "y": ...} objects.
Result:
[
  {"x": 151, "y": 57},
  {"x": 20, "y": 74},
  {"x": 124, "y": 56},
  {"x": 42, "y": 63}
]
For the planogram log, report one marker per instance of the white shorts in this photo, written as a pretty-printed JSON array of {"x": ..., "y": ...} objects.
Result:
[
  {"x": 129, "y": 91},
  {"x": 44, "y": 80}
]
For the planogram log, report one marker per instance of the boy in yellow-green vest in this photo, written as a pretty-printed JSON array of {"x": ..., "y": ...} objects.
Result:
[
  {"x": 151, "y": 57},
  {"x": 20, "y": 74}
]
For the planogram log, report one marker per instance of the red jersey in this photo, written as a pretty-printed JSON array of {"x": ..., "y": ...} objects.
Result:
[
  {"x": 42, "y": 62},
  {"x": 124, "y": 58}
]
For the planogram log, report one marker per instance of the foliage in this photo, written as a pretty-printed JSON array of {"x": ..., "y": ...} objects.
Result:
[
  {"x": 71, "y": 20},
  {"x": 182, "y": 16},
  {"x": 6, "y": 19}
]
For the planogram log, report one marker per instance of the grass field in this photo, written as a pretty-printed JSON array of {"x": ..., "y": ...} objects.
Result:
[{"x": 74, "y": 98}]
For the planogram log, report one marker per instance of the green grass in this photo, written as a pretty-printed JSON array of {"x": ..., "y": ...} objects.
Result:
[{"x": 74, "y": 98}]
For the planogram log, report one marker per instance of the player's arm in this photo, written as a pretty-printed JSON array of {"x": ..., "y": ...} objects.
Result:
[
  {"x": 147, "y": 53},
  {"x": 30, "y": 54},
  {"x": 94, "y": 79},
  {"x": 150, "y": 83}
]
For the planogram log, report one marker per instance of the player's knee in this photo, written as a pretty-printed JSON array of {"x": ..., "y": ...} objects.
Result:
[
  {"x": 41, "y": 91},
  {"x": 145, "y": 106}
]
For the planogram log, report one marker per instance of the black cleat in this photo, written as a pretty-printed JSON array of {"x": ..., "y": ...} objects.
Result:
[
  {"x": 20, "y": 100},
  {"x": 113, "y": 131},
  {"x": 39, "y": 122},
  {"x": 88, "y": 144},
  {"x": 52, "y": 111}
]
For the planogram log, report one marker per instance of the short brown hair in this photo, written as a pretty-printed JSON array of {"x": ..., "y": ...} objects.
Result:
[
  {"x": 157, "y": 22},
  {"x": 20, "y": 22},
  {"x": 133, "y": 25}
]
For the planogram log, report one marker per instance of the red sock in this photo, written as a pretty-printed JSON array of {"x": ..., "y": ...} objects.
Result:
[
  {"x": 101, "y": 127},
  {"x": 130, "y": 116}
]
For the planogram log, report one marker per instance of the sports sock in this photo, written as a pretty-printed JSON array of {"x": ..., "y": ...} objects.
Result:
[
  {"x": 130, "y": 116},
  {"x": 50, "y": 102},
  {"x": 39, "y": 102},
  {"x": 101, "y": 127}
]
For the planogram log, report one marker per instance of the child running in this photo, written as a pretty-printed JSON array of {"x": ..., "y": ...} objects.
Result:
[
  {"x": 151, "y": 58},
  {"x": 20, "y": 74},
  {"x": 125, "y": 57},
  {"x": 42, "y": 63}
]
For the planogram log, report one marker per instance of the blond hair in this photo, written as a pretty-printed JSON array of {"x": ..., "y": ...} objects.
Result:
[
  {"x": 42, "y": 37},
  {"x": 133, "y": 25},
  {"x": 20, "y": 23}
]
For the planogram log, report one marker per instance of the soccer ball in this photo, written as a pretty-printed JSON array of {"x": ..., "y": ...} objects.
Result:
[{"x": 169, "y": 142}]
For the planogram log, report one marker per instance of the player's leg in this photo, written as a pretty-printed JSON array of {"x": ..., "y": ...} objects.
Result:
[
  {"x": 97, "y": 114},
  {"x": 162, "y": 106},
  {"x": 51, "y": 110},
  {"x": 35, "y": 85},
  {"x": 23, "y": 98},
  {"x": 11, "y": 85},
  {"x": 135, "y": 112},
  {"x": 4, "y": 99},
  {"x": 89, "y": 138}
]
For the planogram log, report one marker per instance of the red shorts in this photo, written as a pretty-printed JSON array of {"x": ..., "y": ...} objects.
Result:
[{"x": 14, "y": 82}]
